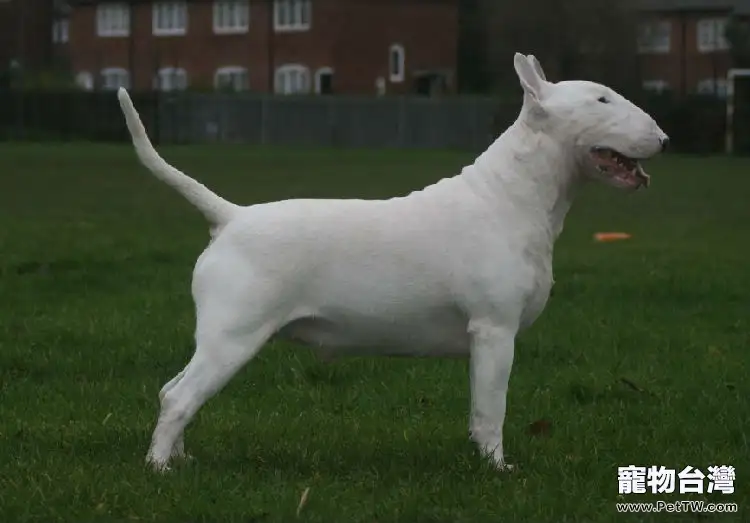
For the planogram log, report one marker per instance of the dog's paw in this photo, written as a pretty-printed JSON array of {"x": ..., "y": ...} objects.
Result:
[
  {"x": 178, "y": 453},
  {"x": 160, "y": 468},
  {"x": 158, "y": 465},
  {"x": 498, "y": 462}
]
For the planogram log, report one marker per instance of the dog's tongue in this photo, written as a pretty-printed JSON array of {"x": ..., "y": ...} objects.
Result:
[{"x": 644, "y": 178}]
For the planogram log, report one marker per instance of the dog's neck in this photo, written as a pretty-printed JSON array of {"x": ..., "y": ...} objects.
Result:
[{"x": 531, "y": 173}]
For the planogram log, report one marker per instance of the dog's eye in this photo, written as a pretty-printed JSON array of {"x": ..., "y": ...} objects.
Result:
[{"x": 603, "y": 100}]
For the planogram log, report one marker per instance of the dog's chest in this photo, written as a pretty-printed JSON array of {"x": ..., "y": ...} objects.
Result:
[{"x": 538, "y": 285}]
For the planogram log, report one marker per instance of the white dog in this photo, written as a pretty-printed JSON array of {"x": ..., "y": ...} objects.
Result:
[{"x": 455, "y": 269}]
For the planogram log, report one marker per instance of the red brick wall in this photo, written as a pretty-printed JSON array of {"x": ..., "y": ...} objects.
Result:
[
  {"x": 684, "y": 66},
  {"x": 428, "y": 34},
  {"x": 353, "y": 38}
]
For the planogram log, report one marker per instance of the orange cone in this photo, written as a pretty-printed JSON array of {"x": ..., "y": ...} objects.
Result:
[{"x": 611, "y": 236}]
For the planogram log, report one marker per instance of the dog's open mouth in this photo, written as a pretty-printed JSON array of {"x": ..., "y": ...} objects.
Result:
[{"x": 625, "y": 171}]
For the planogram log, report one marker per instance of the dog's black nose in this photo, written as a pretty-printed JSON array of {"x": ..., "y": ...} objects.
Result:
[{"x": 664, "y": 143}]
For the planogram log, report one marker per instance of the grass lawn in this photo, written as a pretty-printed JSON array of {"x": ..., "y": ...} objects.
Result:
[{"x": 642, "y": 356}]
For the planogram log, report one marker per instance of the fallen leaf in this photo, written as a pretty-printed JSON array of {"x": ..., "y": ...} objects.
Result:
[{"x": 541, "y": 427}]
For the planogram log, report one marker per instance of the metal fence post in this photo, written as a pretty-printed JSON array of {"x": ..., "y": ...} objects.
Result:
[
  {"x": 402, "y": 121},
  {"x": 331, "y": 112},
  {"x": 263, "y": 111}
]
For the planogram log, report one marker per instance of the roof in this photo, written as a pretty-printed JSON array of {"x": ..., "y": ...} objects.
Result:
[{"x": 737, "y": 6}]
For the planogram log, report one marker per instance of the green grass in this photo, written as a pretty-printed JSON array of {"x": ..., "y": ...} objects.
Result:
[{"x": 641, "y": 356}]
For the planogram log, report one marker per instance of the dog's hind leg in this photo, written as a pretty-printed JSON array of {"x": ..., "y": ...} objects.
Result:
[
  {"x": 178, "y": 451},
  {"x": 233, "y": 321},
  {"x": 218, "y": 357}
]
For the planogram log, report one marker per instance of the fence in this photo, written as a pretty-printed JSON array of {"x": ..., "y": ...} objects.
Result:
[
  {"x": 403, "y": 122},
  {"x": 695, "y": 124}
]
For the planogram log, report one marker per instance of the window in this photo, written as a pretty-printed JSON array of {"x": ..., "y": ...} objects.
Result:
[
  {"x": 85, "y": 81},
  {"x": 231, "y": 16},
  {"x": 113, "y": 19},
  {"x": 712, "y": 35},
  {"x": 655, "y": 36},
  {"x": 292, "y": 79},
  {"x": 170, "y": 18},
  {"x": 60, "y": 31},
  {"x": 231, "y": 78},
  {"x": 292, "y": 15},
  {"x": 324, "y": 80},
  {"x": 171, "y": 79},
  {"x": 714, "y": 86},
  {"x": 658, "y": 86},
  {"x": 114, "y": 78},
  {"x": 396, "y": 62}
]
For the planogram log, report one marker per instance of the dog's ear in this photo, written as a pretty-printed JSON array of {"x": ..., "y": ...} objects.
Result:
[
  {"x": 537, "y": 67},
  {"x": 531, "y": 82}
]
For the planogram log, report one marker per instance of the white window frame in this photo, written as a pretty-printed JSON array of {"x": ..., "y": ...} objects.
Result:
[
  {"x": 237, "y": 12},
  {"x": 398, "y": 76},
  {"x": 320, "y": 72},
  {"x": 706, "y": 86},
  {"x": 60, "y": 31},
  {"x": 655, "y": 37},
  {"x": 109, "y": 71},
  {"x": 711, "y": 34},
  {"x": 284, "y": 87},
  {"x": 85, "y": 80},
  {"x": 657, "y": 86},
  {"x": 171, "y": 79},
  {"x": 295, "y": 11},
  {"x": 162, "y": 7},
  {"x": 233, "y": 72},
  {"x": 110, "y": 9}
]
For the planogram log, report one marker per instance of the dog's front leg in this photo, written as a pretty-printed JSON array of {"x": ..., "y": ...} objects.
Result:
[{"x": 492, "y": 349}]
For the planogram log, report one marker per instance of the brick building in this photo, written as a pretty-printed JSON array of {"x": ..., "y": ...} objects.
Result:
[
  {"x": 26, "y": 33},
  {"x": 288, "y": 46},
  {"x": 325, "y": 46},
  {"x": 682, "y": 44}
]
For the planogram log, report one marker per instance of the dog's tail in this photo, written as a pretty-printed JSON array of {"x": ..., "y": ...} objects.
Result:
[{"x": 216, "y": 209}]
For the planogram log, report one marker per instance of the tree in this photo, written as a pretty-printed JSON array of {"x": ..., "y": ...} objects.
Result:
[
  {"x": 738, "y": 36},
  {"x": 573, "y": 39},
  {"x": 473, "y": 70}
]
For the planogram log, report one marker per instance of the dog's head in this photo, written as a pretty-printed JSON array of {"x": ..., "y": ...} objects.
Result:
[{"x": 608, "y": 134}]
